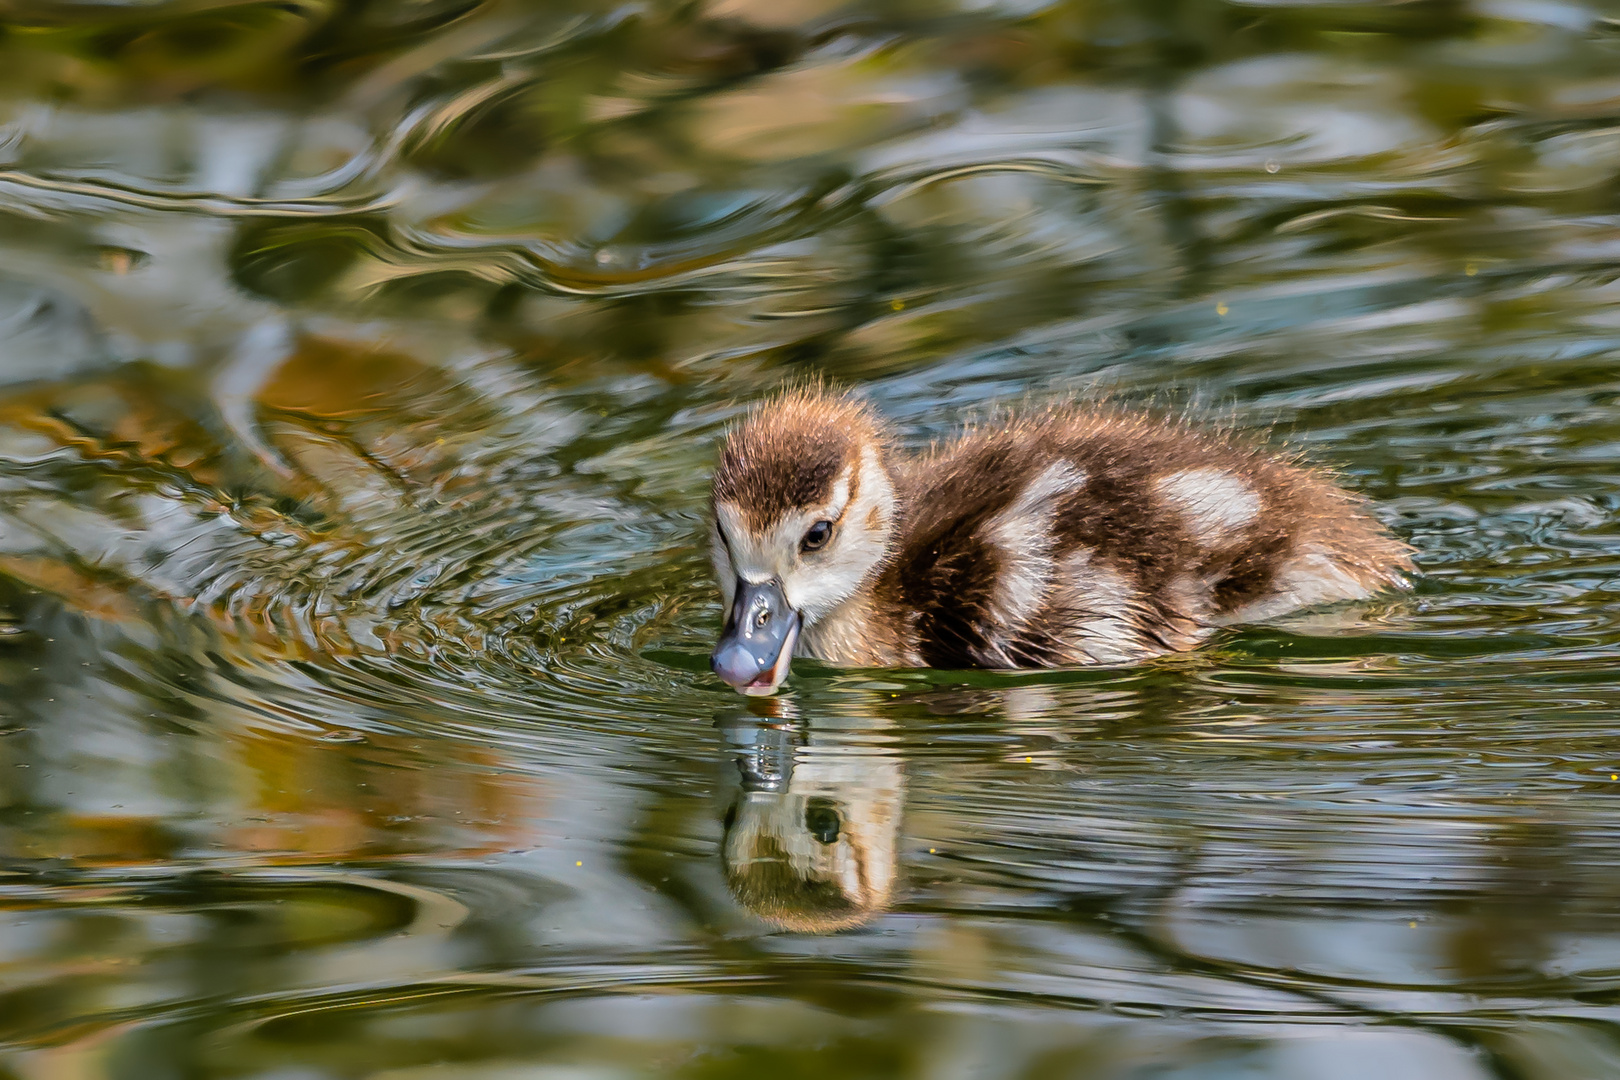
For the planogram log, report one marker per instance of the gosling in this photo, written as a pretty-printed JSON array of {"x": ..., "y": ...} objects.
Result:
[{"x": 1065, "y": 536}]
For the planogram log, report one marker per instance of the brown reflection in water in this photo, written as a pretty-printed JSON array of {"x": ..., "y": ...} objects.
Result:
[
  {"x": 812, "y": 841},
  {"x": 317, "y": 801},
  {"x": 1507, "y": 931},
  {"x": 96, "y": 840},
  {"x": 289, "y": 524},
  {"x": 311, "y": 797},
  {"x": 399, "y": 417}
]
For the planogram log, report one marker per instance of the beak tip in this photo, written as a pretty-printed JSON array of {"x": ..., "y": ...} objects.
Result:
[{"x": 740, "y": 671}]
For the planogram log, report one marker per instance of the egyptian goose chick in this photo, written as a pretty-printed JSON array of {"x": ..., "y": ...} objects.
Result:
[{"x": 1071, "y": 535}]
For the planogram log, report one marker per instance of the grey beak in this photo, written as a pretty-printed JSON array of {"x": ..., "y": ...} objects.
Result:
[{"x": 756, "y": 648}]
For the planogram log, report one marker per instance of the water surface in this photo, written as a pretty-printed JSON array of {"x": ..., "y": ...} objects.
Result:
[{"x": 360, "y": 367}]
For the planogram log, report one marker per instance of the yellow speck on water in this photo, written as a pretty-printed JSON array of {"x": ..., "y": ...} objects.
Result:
[
  {"x": 1413, "y": 925},
  {"x": 1614, "y": 776},
  {"x": 1470, "y": 269},
  {"x": 1221, "y": 308},
  {"x": 930, "y": 851},
  {"x": 897, "y": 305},
  {"x": 578, "y": 862},
  {"x": 1029, "y": 759}
]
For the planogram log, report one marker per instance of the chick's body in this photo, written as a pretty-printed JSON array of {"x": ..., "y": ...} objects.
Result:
[{"x": 1066, "y": 536}]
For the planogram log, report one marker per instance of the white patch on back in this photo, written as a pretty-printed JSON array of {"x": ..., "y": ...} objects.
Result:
[
  {"x": 1022, "y": 534},
  {"x": 1096, "y": 603},
  {"x": 1212, "y": 501},
  {"x": 1306, "y": 580}
]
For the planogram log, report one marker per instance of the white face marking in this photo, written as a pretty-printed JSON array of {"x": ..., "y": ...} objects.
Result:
[
  {"x": 1022, "y": 533},
  {"x": 815, "y": 582},
  {"x": 1212, "y": 501},
  {"x": 720, "y": 559}
]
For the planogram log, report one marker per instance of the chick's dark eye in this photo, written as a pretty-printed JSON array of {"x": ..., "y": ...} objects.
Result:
[
  {"x": 822, "y": 821},
  {"x": 816, "y": 536}
]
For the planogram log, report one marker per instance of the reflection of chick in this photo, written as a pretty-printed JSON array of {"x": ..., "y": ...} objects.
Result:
[{"x": 815, "y": 848}]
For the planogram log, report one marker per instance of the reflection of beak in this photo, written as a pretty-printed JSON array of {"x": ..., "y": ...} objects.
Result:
[
  {"x": 764, "y": 751},
  {"x": 756, "y": 649}
]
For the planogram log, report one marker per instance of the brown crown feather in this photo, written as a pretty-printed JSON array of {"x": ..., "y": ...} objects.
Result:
[{"x": 789, "y": 451}]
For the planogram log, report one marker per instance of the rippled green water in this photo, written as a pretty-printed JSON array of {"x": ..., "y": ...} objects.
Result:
[{"x": 360, "y": 365}]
